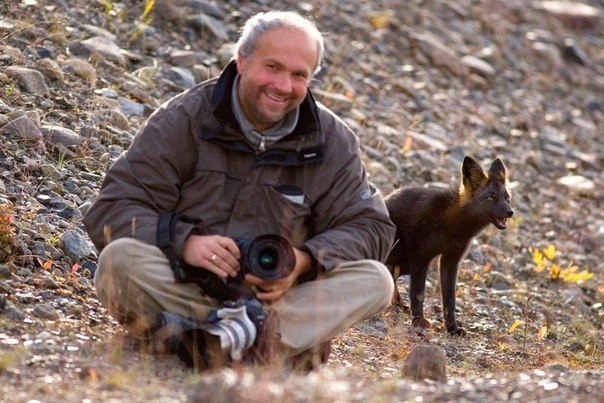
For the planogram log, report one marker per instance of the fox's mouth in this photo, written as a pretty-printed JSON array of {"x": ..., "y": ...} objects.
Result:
[{"x": 500, "y": 222}]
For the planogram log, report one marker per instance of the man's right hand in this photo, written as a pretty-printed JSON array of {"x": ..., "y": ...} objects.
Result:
[{"x": 215, "y": 253}]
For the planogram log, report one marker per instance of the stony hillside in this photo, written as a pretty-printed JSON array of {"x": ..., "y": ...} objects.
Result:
[{"x": 423, "y": 83}]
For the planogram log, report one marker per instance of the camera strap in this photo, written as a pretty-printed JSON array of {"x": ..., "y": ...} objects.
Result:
[{"x": 166, "y": 224}]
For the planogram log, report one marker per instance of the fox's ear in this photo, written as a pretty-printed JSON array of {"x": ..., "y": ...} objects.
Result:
[
  {"x": 472, "y": 175},
  {"x": 497, "y": 171}
]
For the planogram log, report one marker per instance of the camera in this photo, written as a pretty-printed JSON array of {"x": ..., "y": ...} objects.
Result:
[
  {"x": 268, "y": 256},
  {"x": 235, "y": 325}
]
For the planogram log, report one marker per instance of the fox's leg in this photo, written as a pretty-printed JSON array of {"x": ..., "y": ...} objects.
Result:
[
  {"x": 396, "y": 297},
  {"x": 418, "y": 274},
  {"x": 448, "y": 283}
]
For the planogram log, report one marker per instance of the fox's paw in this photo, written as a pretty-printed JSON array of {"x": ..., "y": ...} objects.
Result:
[
  {"x": 420, "y": 321},
  {"x": 454, "y": 329}
]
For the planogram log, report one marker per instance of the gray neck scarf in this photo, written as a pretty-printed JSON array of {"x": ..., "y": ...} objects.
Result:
[{"x": 267, "y": 137}]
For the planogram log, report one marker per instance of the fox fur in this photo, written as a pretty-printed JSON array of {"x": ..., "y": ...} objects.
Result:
[{"x": 435, "y": 222}]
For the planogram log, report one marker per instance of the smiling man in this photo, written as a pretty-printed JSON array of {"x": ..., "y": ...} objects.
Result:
[{"x": 240, "y": 223}]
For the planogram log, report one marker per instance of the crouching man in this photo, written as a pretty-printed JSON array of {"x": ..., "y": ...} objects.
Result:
[{"x": 236, "y": 158}]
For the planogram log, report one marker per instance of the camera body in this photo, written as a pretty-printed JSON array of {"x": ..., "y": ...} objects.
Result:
[{"x": 268, "y": 256}]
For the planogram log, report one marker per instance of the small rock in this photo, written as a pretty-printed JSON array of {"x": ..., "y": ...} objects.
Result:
[
  {"x": 5, "y": 271},
  {"x": 573, "y": 52},
  {"x": 106, "y": 48},
  {"x": 577, "y": 183},
  {"x": 183, "y": 58},
  {"x": 215, "y": 26},
  {"x": 573, "y": 14},
  {"x": 22, "y": 128},
  {"x": 556, "y": 368},
  {"x": 479, "y": 66},
  {"x": 31, "y": 80},
  {"x": 117, "y": 119},
  {"x": 182, "y": 78},
  {"x": 75, "y": 245},
  {"x": 49, "y": 283},
  {"x": 61, "y": 135},
  {"x": 425, "y": 362},
  {"x": 439, "y": 54},
  {"x": 44, "y": 311},
  {"x": 12, "y": 312},
  {"x": 51, "y": 70},
  {"x": 80, "y": 68}
]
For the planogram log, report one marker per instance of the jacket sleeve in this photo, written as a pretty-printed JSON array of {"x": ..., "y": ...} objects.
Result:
[
  {"x": 350, "y": 219},
  {"x": 144, "y": 182}
]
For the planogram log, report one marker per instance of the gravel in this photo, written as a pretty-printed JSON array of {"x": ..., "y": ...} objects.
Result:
[{"x": 423, "y": 84}]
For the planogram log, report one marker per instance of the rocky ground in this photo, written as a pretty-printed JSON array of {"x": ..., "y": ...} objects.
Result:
[{"x": 423, "y": 84}]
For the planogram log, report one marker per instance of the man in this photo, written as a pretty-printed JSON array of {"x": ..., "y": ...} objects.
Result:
[{"x": 236, "y": 157}]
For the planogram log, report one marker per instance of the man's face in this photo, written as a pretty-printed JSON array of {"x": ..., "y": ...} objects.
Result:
[{"x": 275, "y": 76}]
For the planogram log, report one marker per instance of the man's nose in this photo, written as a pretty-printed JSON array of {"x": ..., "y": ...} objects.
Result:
[{"x": 284, "y": 83}]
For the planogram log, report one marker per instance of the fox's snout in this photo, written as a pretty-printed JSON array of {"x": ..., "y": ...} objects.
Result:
[{"x": 500, "y": 217}]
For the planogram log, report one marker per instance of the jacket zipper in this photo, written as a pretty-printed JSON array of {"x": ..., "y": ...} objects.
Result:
[{"x": 262, "y": 145}]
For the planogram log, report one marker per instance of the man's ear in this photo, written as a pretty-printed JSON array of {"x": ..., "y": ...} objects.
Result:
[{"x": 239, "y": 61}]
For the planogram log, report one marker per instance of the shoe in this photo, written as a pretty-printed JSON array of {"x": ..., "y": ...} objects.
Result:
[
  {"x": 310, "y": 359},
  {"x": 187, "y": 338},
  {"x": 267, "y": 349},
  {"x": 200, "y": 350},
  {"x": 268, "y": 341}
]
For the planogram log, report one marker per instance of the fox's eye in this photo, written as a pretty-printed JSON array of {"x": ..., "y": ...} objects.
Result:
[{"x": 492, "y": 196}]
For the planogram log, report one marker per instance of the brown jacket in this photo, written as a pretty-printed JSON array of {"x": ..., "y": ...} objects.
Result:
[{"x": 189, "y": 157}]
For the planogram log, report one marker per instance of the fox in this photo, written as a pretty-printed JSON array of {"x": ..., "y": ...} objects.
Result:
[{"x": 433, "y": 222}]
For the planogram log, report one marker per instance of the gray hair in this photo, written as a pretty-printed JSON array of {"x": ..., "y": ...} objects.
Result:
[{"x": 261, "y": 23}]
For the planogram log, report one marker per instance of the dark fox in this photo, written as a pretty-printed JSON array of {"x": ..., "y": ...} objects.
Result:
[{"x": 434, "y": 222}]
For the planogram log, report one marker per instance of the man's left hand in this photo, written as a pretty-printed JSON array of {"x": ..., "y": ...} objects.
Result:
[{"x": 272, "y": 290}]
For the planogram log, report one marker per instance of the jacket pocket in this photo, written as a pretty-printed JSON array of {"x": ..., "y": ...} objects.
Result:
[
  {"x": 287, "y": 205},
  {"x": 291, "y": 193}
]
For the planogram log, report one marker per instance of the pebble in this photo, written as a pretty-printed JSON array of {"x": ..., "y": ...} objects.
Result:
[{"x": 45, "y": 311}]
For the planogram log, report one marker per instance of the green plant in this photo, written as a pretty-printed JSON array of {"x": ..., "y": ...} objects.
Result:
[
  {"x": 9, "y": 88},
  {"x": 526, "y": 323}
]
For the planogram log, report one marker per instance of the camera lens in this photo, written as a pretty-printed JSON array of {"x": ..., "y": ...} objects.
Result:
[{"x": 268, "y": 259}]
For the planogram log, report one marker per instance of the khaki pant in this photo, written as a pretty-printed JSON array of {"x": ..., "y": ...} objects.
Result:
[{"x": 134, "y": 282}]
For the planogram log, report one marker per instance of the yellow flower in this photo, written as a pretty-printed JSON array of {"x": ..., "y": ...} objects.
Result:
[{"x": 550, "y": 252}]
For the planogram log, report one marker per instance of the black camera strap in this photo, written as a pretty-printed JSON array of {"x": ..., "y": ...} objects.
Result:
[{"x": 166, "y": 224}]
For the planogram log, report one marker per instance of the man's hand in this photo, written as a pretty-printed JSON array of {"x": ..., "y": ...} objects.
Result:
[
  {"x": 215, "y": 253},
  {"x": 272, "y": 290}
]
